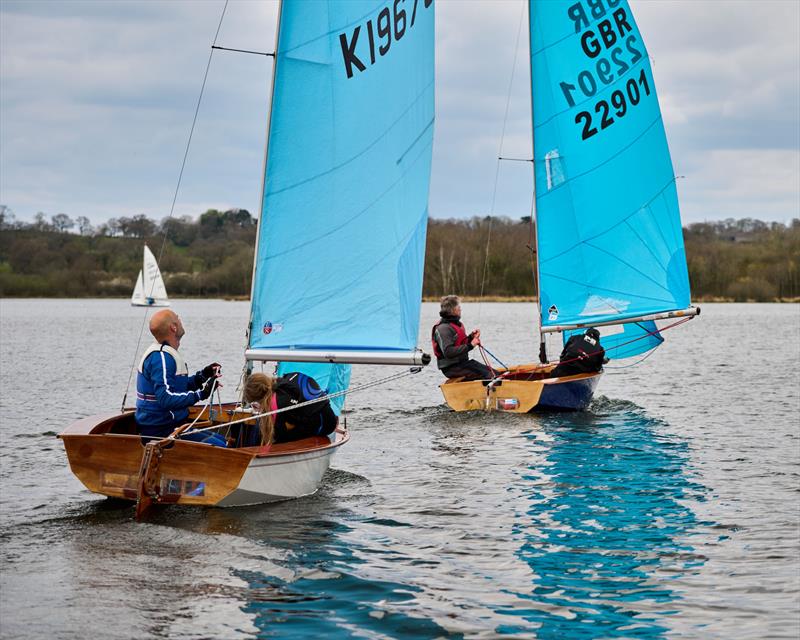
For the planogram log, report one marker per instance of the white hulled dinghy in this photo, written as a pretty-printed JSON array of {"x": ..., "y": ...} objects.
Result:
[
  {"x": 609, "y": 247},
  {"x": 337, "y": 276},
  {"x": 149, "y": 290}
]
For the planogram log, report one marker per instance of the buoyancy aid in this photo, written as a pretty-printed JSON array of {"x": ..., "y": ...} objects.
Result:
[
  {"x": 461, "y": 336},
  {"x": 294, "y": 388},
  {"x": 314, "y": 419},
  {"x": 581, "y": 354},
  {"x": 179, "y": 387},
  {"x": 181, "y": 369}
]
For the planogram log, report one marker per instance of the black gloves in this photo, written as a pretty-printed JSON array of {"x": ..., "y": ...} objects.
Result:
[
  {"x": 205, "y": 392},
  {"x": 211, "y": 371}
]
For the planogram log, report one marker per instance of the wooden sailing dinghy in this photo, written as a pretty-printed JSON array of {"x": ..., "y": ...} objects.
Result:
[
  {"x": 105, "y": 453},
  {"x": 521, "y": 390},
  {"x": 337, "y": 275},
  {"x": 609, "y": 247}
]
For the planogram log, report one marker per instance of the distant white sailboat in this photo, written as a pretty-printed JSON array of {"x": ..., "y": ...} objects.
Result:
[{"x": 149, "y": 290}]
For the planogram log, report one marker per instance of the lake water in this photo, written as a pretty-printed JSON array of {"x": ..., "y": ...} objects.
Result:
[{"x": 670, "y": 509}]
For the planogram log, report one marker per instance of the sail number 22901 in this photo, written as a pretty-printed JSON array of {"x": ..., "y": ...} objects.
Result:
[
  {"x": 619, "y": 101},
  {"x": 604, "y": 27}
]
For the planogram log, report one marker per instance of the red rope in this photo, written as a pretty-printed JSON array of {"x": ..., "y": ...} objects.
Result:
[{"x": 485, "y": 359}]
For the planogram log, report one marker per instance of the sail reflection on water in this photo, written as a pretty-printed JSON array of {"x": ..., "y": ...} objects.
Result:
[{"x": 607, "y": 525}]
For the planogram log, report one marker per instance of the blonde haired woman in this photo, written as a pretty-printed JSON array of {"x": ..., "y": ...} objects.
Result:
[{"x": 265, "y": 393}]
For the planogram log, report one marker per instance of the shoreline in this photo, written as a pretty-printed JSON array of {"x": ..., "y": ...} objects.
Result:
[{"x": 468, "y": 299}]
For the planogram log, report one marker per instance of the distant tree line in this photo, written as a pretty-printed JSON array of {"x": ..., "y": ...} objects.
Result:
[
  {"x": 212, "y": 256},
  {"x": 61, "y": 257}
]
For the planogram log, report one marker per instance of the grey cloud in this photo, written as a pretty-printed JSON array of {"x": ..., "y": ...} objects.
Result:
[{"x": 97, "y": 99}]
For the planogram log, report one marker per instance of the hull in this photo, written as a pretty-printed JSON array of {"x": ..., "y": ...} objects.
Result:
[
  {"x": 270, "y": 479},
  {"x": 569, "y": 394},
  {"x": 105, "y": 454},
  {"x": 143, "y": 303},
  {"x": 523, "y": 390}
]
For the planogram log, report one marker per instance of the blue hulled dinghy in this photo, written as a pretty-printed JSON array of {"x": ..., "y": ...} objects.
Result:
[{"x": 609, "y": 249}]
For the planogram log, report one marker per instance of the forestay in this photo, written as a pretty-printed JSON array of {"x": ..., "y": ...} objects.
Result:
[
  {"x": 342, "y": 231},
  {"x": 609, "y": 235}
]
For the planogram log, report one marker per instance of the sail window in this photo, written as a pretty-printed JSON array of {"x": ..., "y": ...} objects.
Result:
[{"x": 554, "y": 169}]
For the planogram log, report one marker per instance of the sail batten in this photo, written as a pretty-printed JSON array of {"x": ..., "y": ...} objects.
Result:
[{"x": 609, "y": 236}]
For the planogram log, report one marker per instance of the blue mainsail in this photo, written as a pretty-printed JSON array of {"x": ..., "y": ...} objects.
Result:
[
  {"x": 341, "y": 241},
  {"x": 609, "y": 237}
]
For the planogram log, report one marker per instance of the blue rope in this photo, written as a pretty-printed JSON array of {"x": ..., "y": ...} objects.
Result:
[{"x": 500, "y": 362}]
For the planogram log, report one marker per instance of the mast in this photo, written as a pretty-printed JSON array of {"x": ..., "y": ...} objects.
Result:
[
  {"x": 534, "y": 220},
  {"x": 248, "y": 363}
]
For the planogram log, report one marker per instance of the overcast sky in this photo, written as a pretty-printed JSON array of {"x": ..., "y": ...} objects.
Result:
[{"x": 97, "y": 98}]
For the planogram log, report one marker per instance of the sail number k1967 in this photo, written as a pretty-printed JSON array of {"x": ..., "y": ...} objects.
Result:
[{"x": 390, "y": 25}]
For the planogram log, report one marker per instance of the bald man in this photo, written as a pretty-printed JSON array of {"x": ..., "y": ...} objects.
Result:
[{"x": 164, "y": 388}]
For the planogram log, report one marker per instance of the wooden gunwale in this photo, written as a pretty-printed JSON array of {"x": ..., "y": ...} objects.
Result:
[
  {"x": 299, "y": 446},
  {"x": 89, "y": 427}
]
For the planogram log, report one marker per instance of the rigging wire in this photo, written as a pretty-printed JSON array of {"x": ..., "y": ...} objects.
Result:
[
  {"x": 330, "y": 396},
  {"x": 499, "y": 156},
  {"x": 638, "y": 362},
  {"x": 175, "y": 196}
]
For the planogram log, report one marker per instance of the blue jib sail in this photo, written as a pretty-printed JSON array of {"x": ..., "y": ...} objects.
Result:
[
  {"x": 626, "y": 340},
  {"x": 341, "y": 241},
  {"x": 331, "y": 378},
  {"x": 610, "y": 244}
]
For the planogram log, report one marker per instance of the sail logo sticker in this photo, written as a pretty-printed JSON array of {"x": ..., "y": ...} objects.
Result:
[
  {"x": 270, "y": 327},
  {"x": 553, "y": 311}
]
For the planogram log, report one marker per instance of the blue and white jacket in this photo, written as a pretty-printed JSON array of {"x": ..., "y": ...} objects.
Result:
[{"x": 164, "y": 388}]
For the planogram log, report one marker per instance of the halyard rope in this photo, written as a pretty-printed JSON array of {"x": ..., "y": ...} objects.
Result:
[
  {"x": 175, "y": 198},
  {"x": 497, "y": 166}
]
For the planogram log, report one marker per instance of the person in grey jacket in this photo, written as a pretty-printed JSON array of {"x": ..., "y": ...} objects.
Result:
[{"x": 451, "y": 344}]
